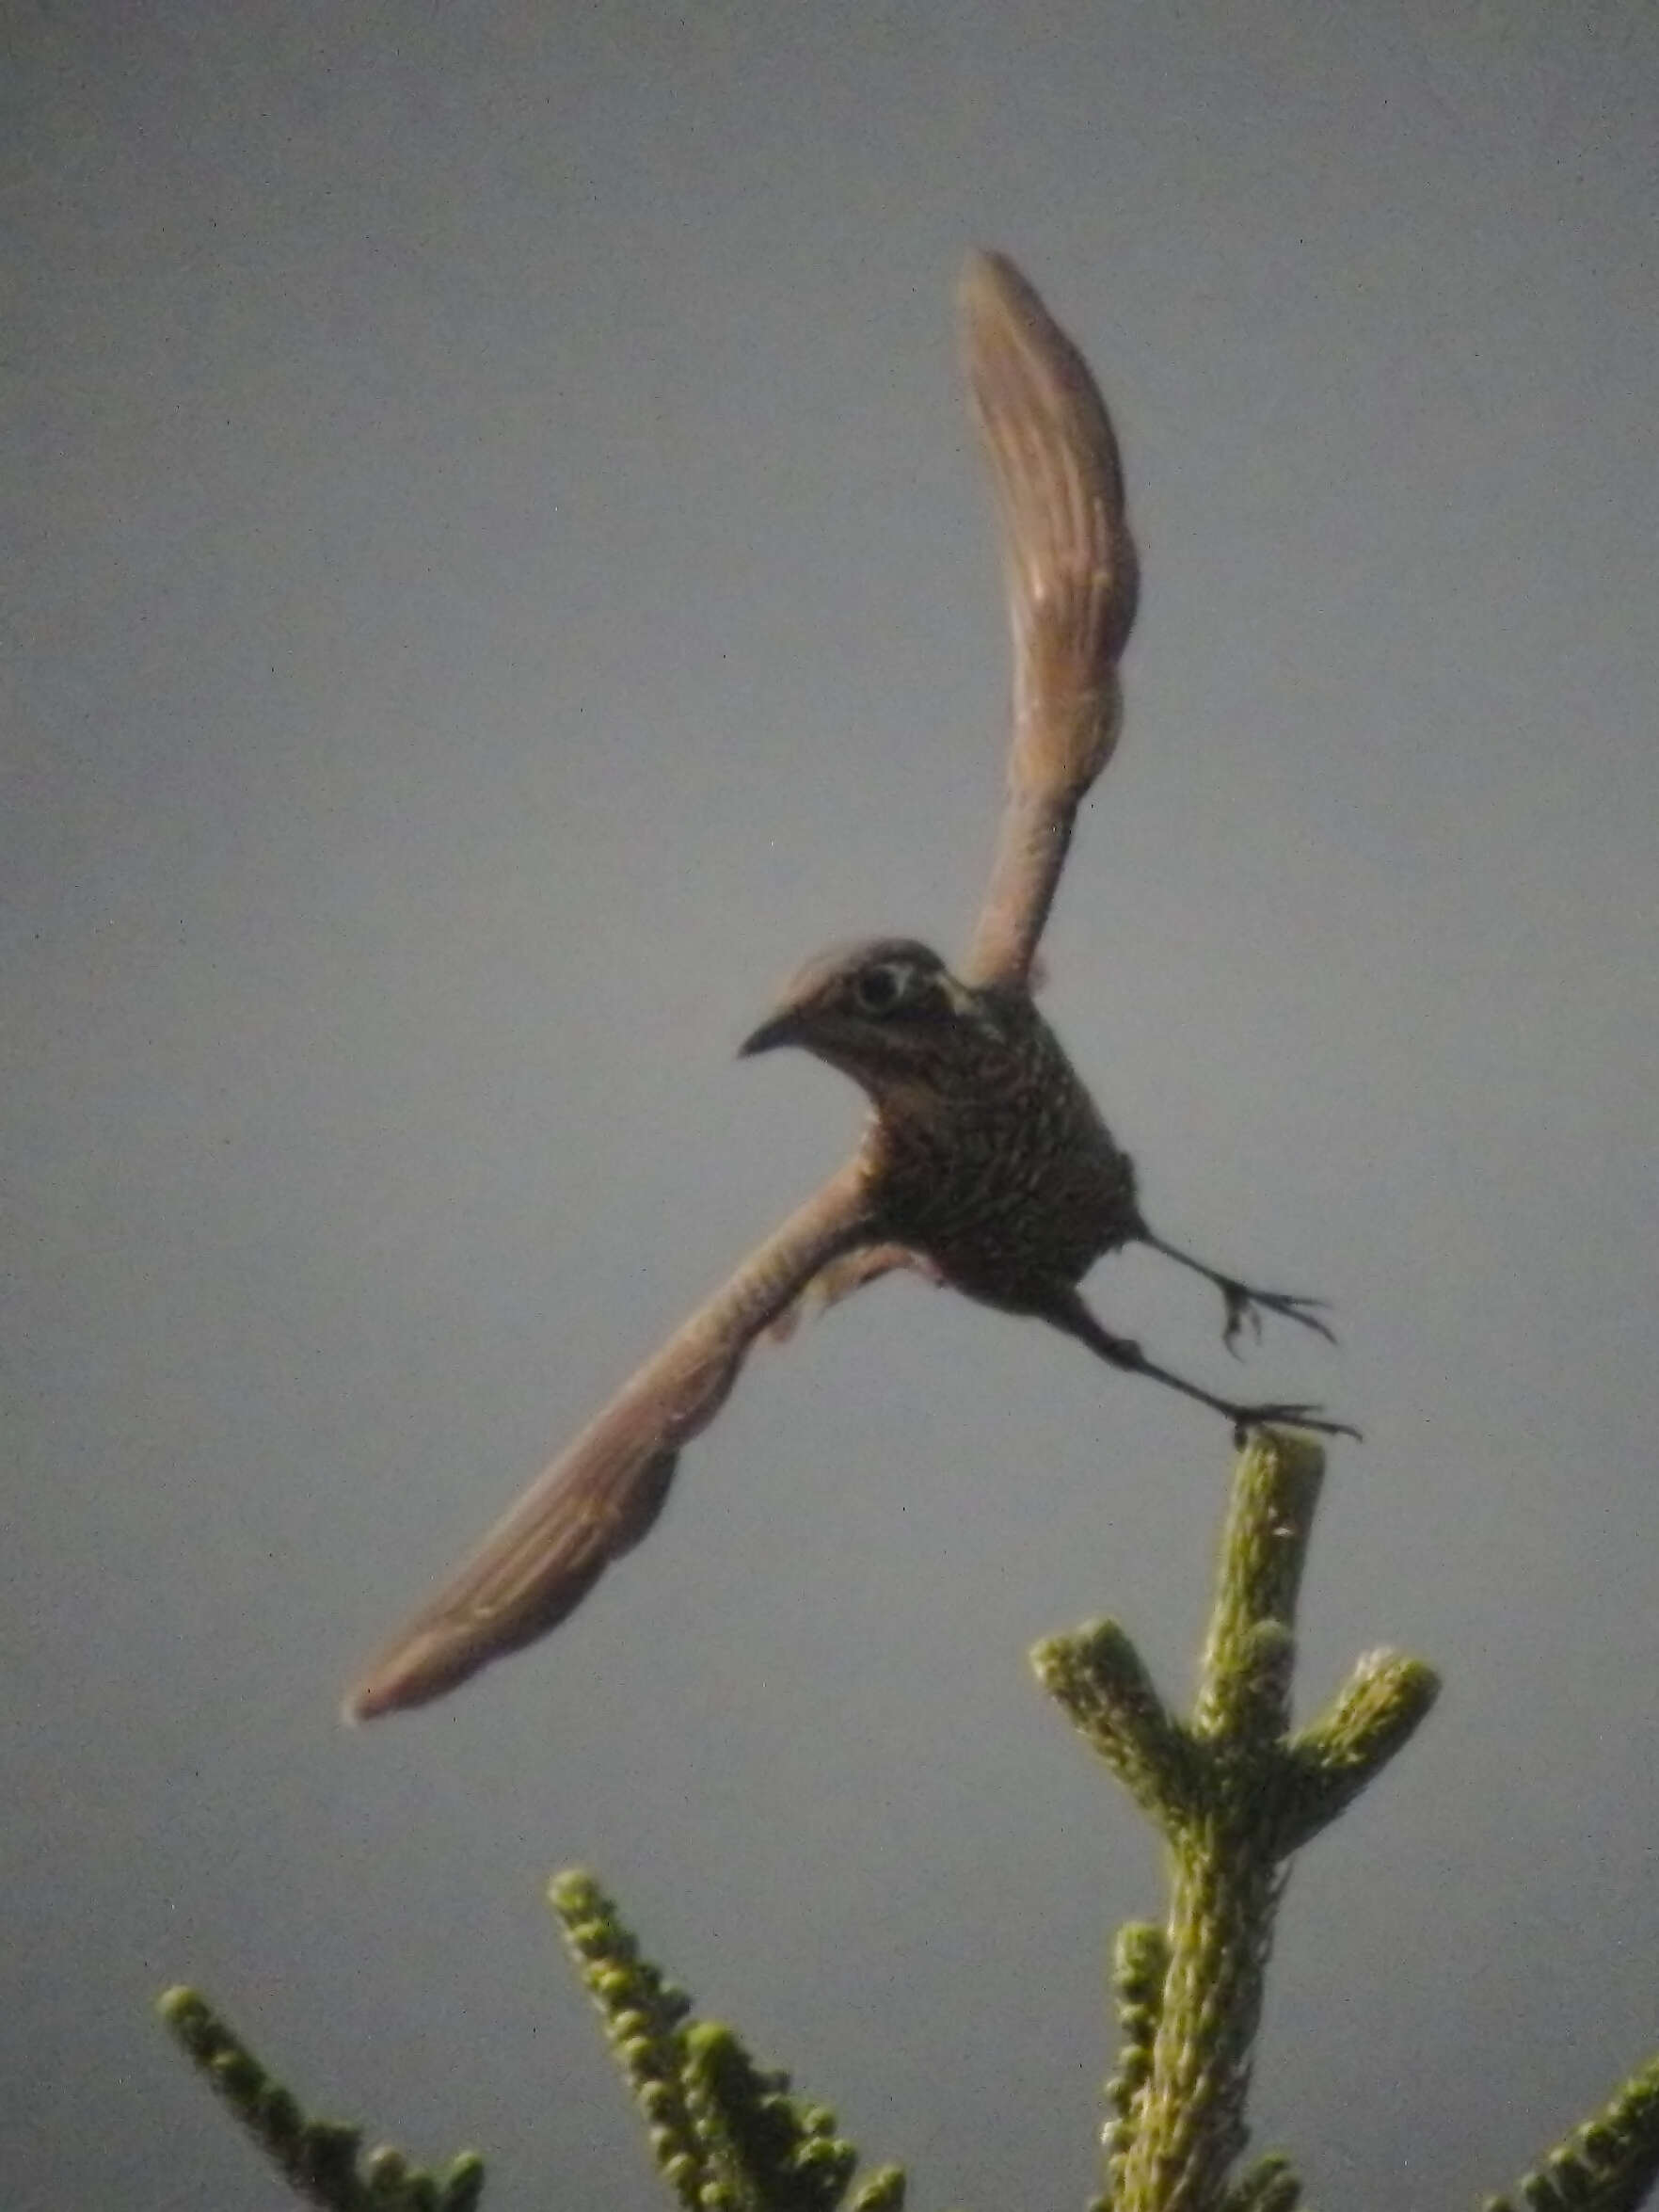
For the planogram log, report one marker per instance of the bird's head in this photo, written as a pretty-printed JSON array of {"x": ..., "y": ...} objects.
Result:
[{"x": 888, "y": 1012}]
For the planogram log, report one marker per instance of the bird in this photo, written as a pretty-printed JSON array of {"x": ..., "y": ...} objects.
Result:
[{"x": 984, "y": 1163}]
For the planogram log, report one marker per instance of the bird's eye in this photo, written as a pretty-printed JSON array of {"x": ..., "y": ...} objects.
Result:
[{"x": 878, "y": 990}]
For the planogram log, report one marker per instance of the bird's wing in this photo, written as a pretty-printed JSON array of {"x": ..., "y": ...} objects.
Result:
[
  {"x": 1072, "y": 577},
  {"x": 602, "y": 1493},
  {"x": 838, "y": 1279}
]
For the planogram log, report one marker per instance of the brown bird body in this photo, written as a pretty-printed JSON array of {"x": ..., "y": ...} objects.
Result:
[
  {"x": 984, "y": 1154},
  {"x": 984, "y": 1163}
]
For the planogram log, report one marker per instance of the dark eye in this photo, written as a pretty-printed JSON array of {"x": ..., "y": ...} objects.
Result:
[{"x": 878, "y": 990}]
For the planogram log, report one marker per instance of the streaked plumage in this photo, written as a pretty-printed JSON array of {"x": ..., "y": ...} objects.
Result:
[
  {"x": 985, "y": 1153},
  {"x": 984, "y": 1162}
]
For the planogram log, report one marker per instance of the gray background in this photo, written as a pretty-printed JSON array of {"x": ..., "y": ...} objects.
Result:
[{"x": 496, "y": 572}]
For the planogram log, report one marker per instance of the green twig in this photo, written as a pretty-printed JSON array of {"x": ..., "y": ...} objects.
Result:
[
  {"x": 1269, "y": 2186},
  {"x": 1233, "y": 1794},
  {"x": 1608, "y": 2165},
  {"x": 1140, "y": 1961},
  {"x": 726, "y": 2135},
  {"x": 321, "y": 2158}
]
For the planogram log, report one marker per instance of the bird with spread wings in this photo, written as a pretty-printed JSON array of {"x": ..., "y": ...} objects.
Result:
[{"x": 984, "y": 1165}]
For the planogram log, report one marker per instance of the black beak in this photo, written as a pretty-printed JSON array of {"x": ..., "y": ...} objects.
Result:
[{"x": 782, "y": 1029}]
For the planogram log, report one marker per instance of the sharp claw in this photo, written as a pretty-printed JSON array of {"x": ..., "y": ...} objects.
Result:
[
  {"x": 1244, "y": 1303},
  {"x": 1304, "y": 1311},
  {"x": 1242, "y": 1306}
]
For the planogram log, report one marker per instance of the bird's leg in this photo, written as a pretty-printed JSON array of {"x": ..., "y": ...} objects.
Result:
[
  {"x": 1070, "y": 1313},
  {"x": 1245, "y": 1304}
]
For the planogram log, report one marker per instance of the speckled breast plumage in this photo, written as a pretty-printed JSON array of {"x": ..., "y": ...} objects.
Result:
[{"x": 1001, "y": 1170}]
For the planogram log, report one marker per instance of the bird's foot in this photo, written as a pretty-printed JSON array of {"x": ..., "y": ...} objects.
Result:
[
  {"x": 1069, "y": 1312},
  {"x": 1246, "y": 1417},
  {"x": 1245, "y": 1305}
]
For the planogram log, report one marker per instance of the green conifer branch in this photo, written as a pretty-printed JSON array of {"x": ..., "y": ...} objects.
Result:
[
  {"x": 1329, "y": 1762},
  {"x": 320, "y": 2158},
  {"x": 1103, "y": 1683},
  {"x": 1233, "y": 1791},
  {"x": 1141, "y": 1959},
  {"x": 643, "y": 2016},
  {"x": 726, "y": 2135},
  {"x": 1608, "y": 2165},
  {"x": 1243, "y": 1700},
  {"x": 1227, "y": 1791},
  {"x": 883, "y": 2192},
  {"x": 1269, "y": 2186},
  {"x": 772, "y": 2152}
]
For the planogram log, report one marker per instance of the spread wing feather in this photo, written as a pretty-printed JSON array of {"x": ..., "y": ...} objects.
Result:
[
  {"x": 601, "y": 1495},
  {"x": 1072, "y": 578}
]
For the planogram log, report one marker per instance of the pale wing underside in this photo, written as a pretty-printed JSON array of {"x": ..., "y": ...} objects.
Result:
[
  {"x": 1072, "y": 577},
  {"x": 601, "y": 1495},
  {"x": 840, "y": 1278}
]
